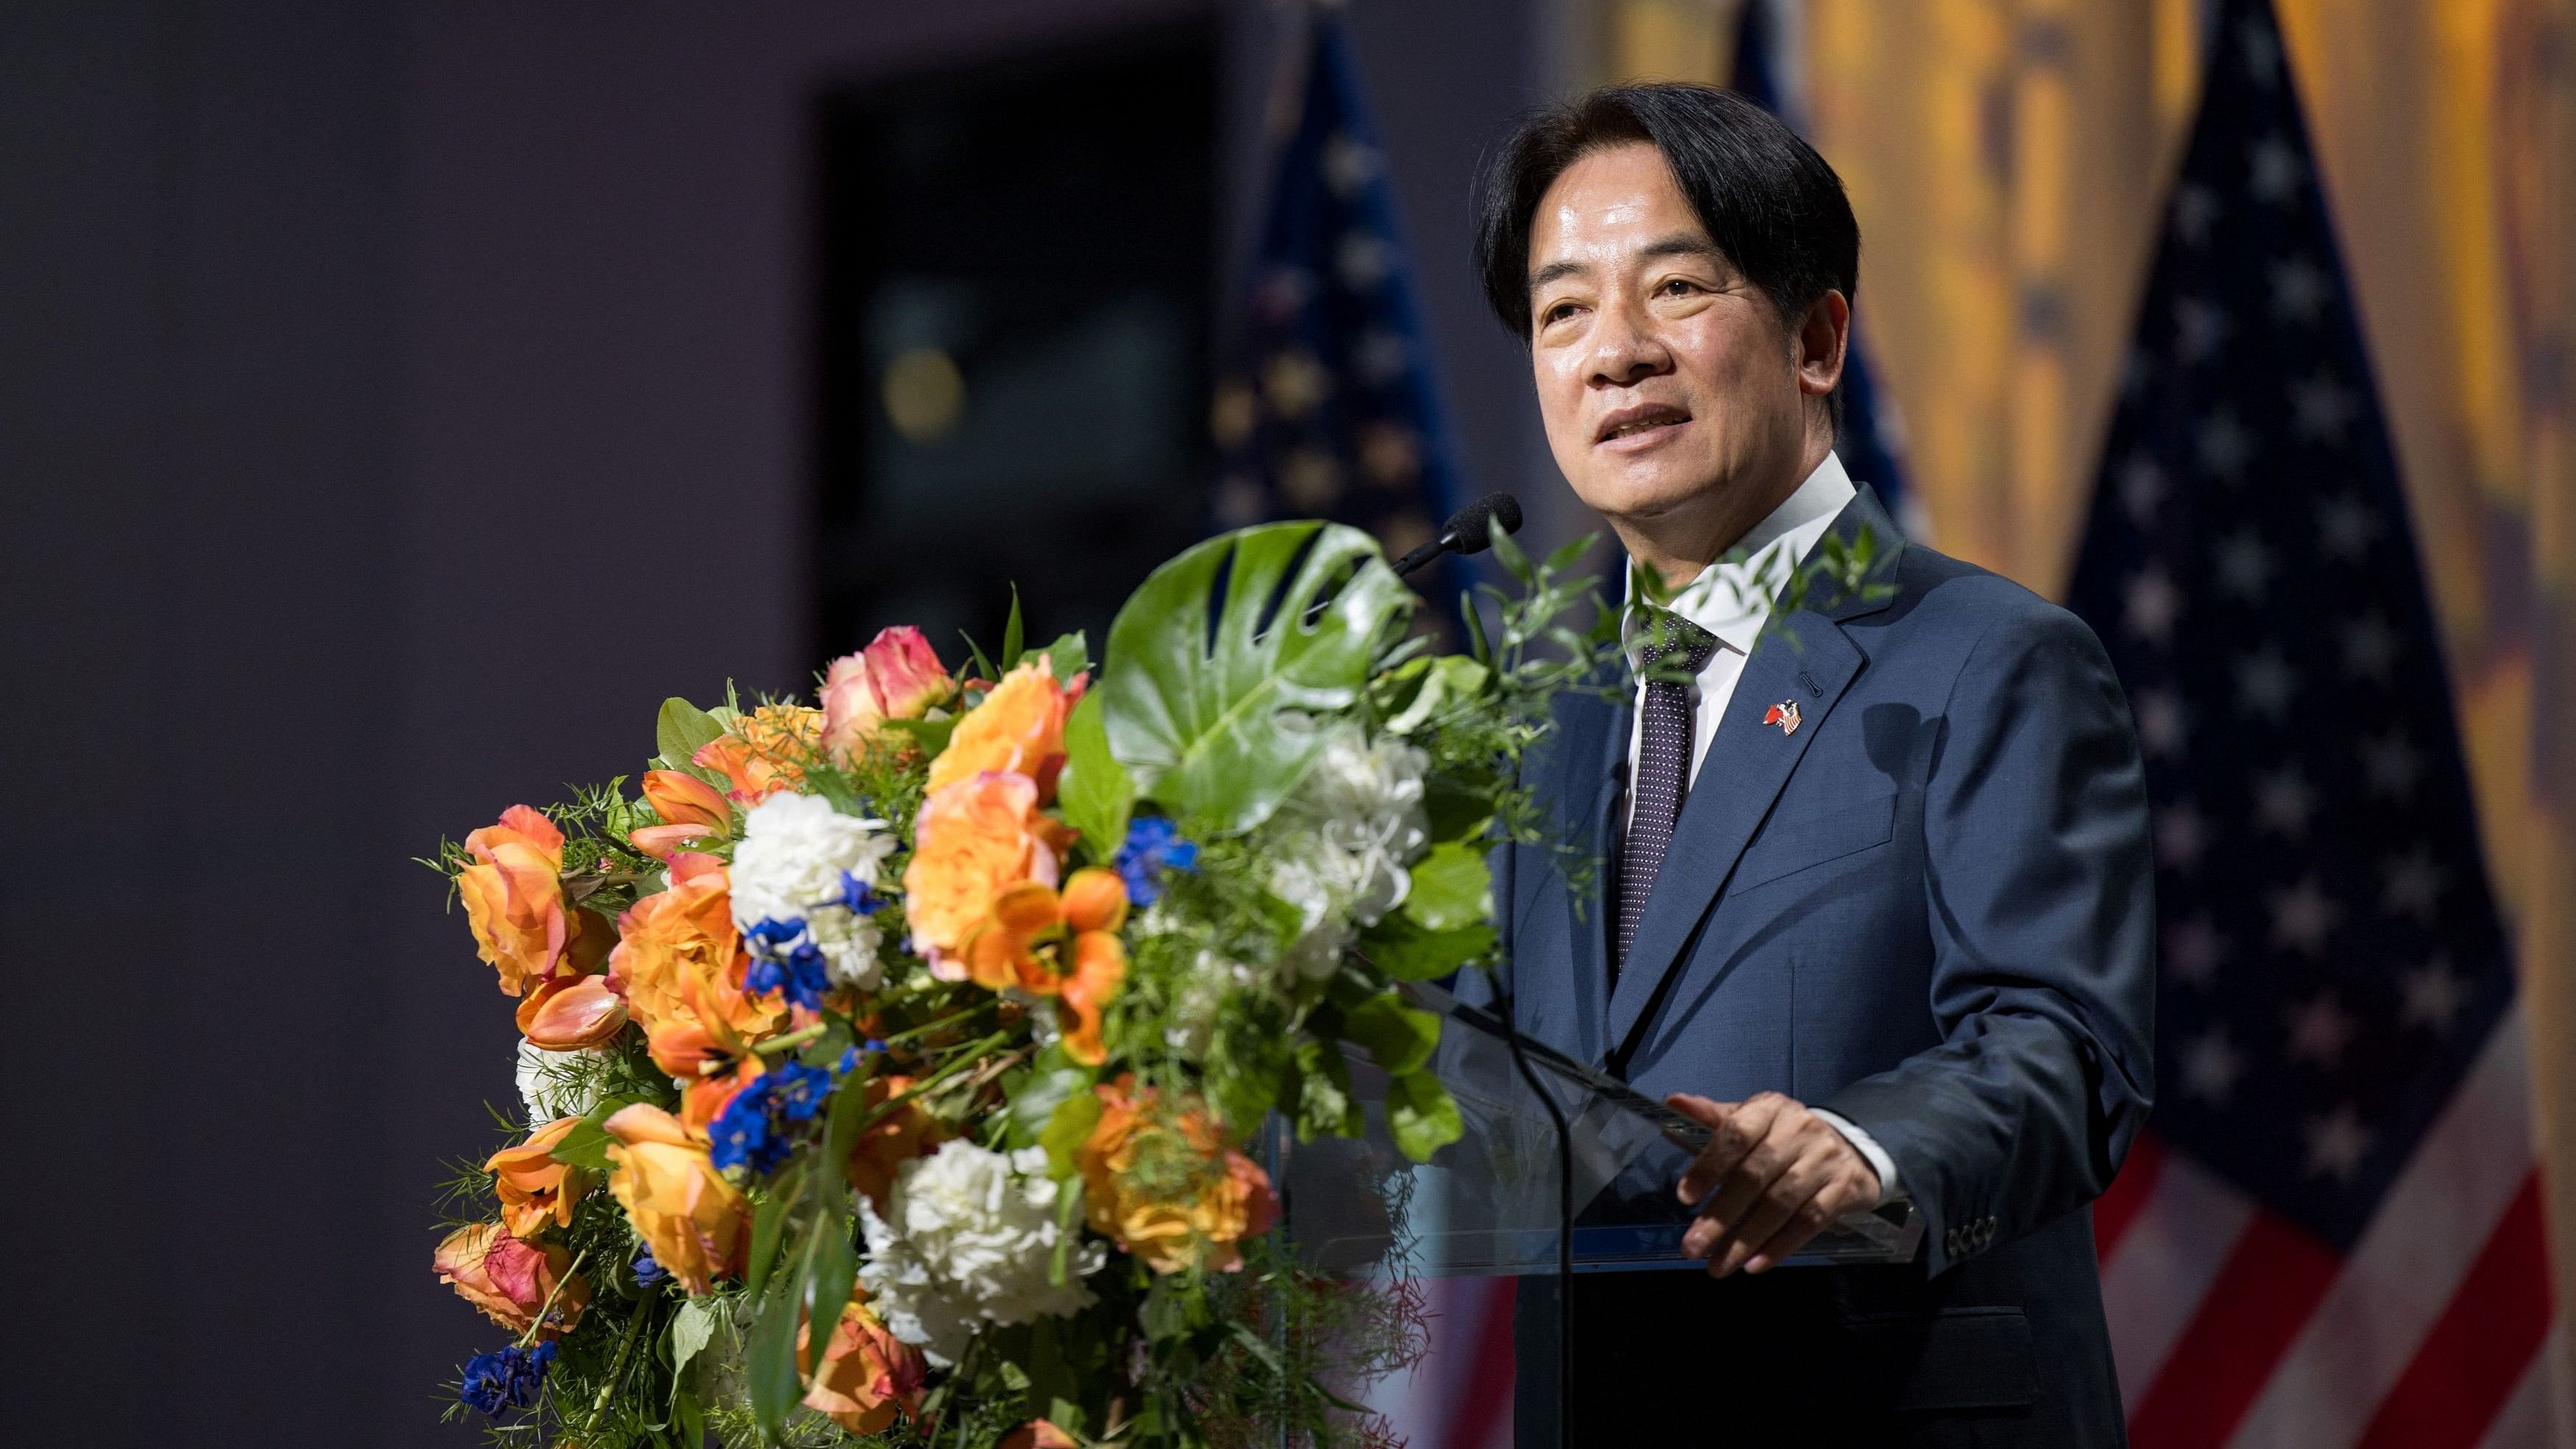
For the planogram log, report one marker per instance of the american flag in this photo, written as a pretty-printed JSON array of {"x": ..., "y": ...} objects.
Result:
[
  {"x": 1333, "y": 411},
  {"x": 2332, "y": 1235}
]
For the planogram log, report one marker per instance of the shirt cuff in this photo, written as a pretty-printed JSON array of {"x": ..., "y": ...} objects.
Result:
[{"x": 1867, "y": 1146}]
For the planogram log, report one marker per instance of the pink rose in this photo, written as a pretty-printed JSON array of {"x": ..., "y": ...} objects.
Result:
[{"x": 896, "y": 677}]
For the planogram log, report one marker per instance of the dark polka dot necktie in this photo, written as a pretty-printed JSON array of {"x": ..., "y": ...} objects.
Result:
[{"x": 1660, "y": 775}]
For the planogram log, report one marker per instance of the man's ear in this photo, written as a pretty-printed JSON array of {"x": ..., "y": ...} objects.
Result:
[{"x": 1823, "y": 336}]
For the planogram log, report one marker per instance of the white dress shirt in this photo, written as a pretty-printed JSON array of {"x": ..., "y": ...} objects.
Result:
[{"x": 1731, "y": 599}]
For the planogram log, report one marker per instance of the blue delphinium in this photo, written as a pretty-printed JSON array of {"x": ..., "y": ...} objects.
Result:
[
  {"x": 854, "y": 897},
  {"x": 648, "y": 1269},
  {"x": 802, "y": 973},
  {"x": 752, "y": 1130},
  {"x": 507, "y": 1379},
  {"x": 1153, "y": 845},
  {"x": 770, "y": 933}
]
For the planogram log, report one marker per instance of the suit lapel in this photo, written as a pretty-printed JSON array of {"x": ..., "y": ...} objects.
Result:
[
  {"x": 1748, "y": 764},
  {"x": 1593, "y": 744}
]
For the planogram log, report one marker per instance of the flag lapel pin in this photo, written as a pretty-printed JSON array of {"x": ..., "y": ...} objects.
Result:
[{"x": 1785, "y": 715}]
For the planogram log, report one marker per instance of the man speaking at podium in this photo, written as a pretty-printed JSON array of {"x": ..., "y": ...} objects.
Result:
[{"x": 1874, "y": 898}]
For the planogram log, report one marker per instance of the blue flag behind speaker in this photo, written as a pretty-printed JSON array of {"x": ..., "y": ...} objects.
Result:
[
  {"x": 1332, "y": 410},
  {"x": 2332, "y": 958}
]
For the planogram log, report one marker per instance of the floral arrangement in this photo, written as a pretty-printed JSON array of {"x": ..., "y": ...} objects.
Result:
[{"x": 897, "y": 1069}]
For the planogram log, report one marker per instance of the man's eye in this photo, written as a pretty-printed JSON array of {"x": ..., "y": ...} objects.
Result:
[
  {"x": 1556, "y": 314},
  {"x": 1678, "y": 285}
]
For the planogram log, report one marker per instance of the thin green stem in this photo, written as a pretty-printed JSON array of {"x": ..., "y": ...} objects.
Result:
[
  {"x": 617, "y": 1370},
  {"x": 540, "y": 1320},
  {"x": 794, "y": 1039}
]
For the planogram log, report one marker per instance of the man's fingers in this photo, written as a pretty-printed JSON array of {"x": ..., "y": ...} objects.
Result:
[
  {"x": 1841, "y": 1194},
  {"x": 1737, "y": 1193},
  {"x": 1763, "y": 1219},
  {"x": 1735, "y": 1130}
]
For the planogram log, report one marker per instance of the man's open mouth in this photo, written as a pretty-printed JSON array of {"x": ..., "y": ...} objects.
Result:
[{"x": 1628, "y": 422}]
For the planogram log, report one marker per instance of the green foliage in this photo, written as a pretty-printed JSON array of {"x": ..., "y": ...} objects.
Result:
[
  {"x": 1208, "y": 704},
  {"x": 1396, "y": 1036},
  {"x": 1421, "y": 1115},
  {"x": 1452, "y": 887},
  {"x": 1095, "y": 791}
]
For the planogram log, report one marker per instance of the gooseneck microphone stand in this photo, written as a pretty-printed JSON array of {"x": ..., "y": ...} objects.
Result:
[{"x": 1564, "y": 1227}]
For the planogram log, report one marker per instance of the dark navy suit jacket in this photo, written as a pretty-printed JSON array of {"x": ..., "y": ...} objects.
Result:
[{"x": 1928, "y": 909}]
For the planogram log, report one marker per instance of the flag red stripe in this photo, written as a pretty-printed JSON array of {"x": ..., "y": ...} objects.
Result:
[
  {"x": 2262, "y": 1299},
  {"x": 1487, "y": 1394},
  {"x": 2118, "y": 1206},
  {"x": 2478, "y": 1349}
]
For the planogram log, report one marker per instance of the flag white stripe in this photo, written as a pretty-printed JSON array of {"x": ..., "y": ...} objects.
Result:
[
  {"x": 2165, "y": 1264},
  {"x": 2526, "y": 1421},
  {"x": 2420, "y": 1244}
]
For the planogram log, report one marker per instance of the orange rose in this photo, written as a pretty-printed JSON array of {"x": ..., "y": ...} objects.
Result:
[
  {"x": 900, "y": 1136},
  {"x": 511, "y": 1280},
  {"x": 568, "y": 1013},
  {"x": 1019, "y": 727},
  {"x": 680, "y": 963},
  {"x": 514, "y": 898},
  {"x": 680, "y": 1205},
  {"x": 765, "y": 751},
  {"x": 973, "y": 840},
  {"x": 690, "y": 808},
  {"x": 1057, "y": 945},
  {"x": 1166, "y": 1186},
  {"x": 898, "y": 676},
  {"x": 535, "y": 1189},
  {"x": 868, "y": 1376}
]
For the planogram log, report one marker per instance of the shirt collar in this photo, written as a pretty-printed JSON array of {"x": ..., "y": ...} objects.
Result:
[{"x": 1732, "y": 597}]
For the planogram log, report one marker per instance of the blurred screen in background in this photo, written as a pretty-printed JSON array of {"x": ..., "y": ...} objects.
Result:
[{"x": 1016, "y": 289}]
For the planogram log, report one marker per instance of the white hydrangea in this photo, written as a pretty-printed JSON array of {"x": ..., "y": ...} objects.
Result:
[
  {"x": 966, "y": 1239},
  {"x": 551, "y": 1084},
  {"x": 1349, "y": 833},
  {"x": 794, "y": 850}
]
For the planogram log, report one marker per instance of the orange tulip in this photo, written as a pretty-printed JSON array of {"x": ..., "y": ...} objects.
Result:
[
  {"x": 1064, "y": 945},
  {"x": 511, "y": 1280},
  {"x": 1165, "y": 1185},
  {"x": 868, "y": 1376},
  {"x": 1019, "y": 727},
  {"x": 534, "y": 1188},
  {"x": 898, "y": 676},
  {"x": 765, "y": 751},
  {"x": 679, "y": 963},
  {"x": 568, "y": 1013},
  {"x": 690, "y": 809},
  {"x": 901, "y": 1135},
  {"x": 972, "y": 841},
  {"x": 681, "y": 1207},
  {"x": 513, "y": 895}
]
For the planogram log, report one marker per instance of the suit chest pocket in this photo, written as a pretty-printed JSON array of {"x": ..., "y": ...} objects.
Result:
[{"x": 1791, "y": 845}]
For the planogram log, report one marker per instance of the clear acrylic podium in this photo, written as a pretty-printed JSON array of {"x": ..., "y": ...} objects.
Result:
[{"x": 1494, "y": 1202}]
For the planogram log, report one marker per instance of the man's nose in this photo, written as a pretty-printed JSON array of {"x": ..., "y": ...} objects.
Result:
[{"x": 1625, "y": 347}]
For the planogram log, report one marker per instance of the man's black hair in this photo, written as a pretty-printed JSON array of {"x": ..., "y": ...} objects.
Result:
[{"x": 1764, "y": 196}]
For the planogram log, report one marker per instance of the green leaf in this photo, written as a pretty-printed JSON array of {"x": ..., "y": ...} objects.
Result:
[
  {"x": 1067, "y": 1128},
  {"x": 682, "y": 729},
  {"x": 1401, "y": 948},
  {"x": 691, "y": 1330},
  {"x": 1068, "y": 656},
  {"x": 770, "y": 1364},
  {"x": 767, "y": 1225},
  {"x": 1455, "y": 809},
  {"x": 1034, "y": 1101},
  {"x": 1095, "y": 791},
  {"x": 1011, "y": 633},
  {"x": 1397, "y": 1037},
  {"x": 829, "y": 1268},
  {"x": 1451, "y": 888},
  {"x": 585, "y": 1146},
  {"x": 1208, "y": 705},
  {"x": 931, "y": 734},
  {"x": 1421, "y": 1115}
]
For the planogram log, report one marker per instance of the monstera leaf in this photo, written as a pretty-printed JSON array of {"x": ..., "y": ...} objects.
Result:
[{"x": 1208, "y": 693}]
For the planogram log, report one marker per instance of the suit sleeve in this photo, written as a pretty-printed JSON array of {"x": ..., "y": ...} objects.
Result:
[{"x": 2039, "y": 892}]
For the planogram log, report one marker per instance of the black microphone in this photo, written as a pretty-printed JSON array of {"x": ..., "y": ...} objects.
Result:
[{"x": 1469, "y": 530}]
